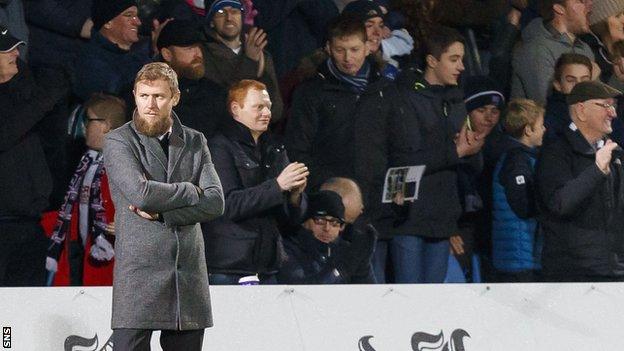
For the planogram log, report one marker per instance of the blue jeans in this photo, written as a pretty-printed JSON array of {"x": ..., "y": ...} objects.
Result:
[
  {"x": 379, "y": 261},
  {"x": 232, "y": 279},
  {"x": 417, "y": 259}
]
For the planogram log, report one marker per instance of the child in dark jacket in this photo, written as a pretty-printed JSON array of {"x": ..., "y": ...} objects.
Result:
[{"x": 516, "y": 245}]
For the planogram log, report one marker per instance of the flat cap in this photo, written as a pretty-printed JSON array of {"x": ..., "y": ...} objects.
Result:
[{"x": 589, "y": 90}]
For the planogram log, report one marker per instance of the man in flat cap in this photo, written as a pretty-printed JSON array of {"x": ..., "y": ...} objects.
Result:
[
  {"x": 106, "y": 64},
  {"x": 202, "y": 102},
  {"x": 581, "y": 192}
]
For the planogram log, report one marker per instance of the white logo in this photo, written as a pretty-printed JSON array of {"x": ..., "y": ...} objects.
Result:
[
  {"x": 520, "y": 180},
  {"x": 4, "y": 32}
]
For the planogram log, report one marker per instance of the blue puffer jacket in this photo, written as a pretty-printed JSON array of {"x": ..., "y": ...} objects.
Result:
[{"x": 515, "y": 243}]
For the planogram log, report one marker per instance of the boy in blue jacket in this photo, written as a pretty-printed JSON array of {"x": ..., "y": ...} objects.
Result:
[{"x": 516, "y": 246}]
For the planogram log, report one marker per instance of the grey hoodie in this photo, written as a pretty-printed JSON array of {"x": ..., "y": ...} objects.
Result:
[{"x": 534, "y": 59}]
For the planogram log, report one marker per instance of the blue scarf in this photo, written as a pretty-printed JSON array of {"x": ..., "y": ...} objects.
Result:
[{"x": 358, "y": 82}]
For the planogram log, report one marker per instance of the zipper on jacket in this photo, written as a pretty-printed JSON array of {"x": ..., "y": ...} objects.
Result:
[{"x": 177, "y": 281}]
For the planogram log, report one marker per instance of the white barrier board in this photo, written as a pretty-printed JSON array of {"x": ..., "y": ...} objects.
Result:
[{"x": 342, "y": 318}]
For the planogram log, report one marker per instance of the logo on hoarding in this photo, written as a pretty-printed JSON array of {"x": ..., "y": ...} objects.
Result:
[
  {"x": 422, "y": 341},
  {"x": 78, "y": 343}
]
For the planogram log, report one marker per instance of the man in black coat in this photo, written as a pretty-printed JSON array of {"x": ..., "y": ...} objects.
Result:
[
  {"x": 25, "y": 182},
  {"x": 202, "y": 102},
  {"x": 323, "y": 252},
  {"x": 580, "y": 183},
  {"x": 260, "y": 186}
]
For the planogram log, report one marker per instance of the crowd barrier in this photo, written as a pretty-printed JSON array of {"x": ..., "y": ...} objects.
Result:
[{"x": 452, "y": 317}]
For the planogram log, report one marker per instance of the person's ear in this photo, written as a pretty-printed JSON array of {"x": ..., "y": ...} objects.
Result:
[
  {"x": 166, "y": 54},
  {"x": 235, "y": 108},
  {"x": 176, "y": 98},
  {"x": 432, "y": 62},
  {"x": 557, "y": 85},
  {"x": 559, "y": 9},
  {"x": 327, "y": 49}
]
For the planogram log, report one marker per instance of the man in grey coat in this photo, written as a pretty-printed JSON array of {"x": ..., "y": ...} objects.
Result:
[{"x": 163, "y": 183}]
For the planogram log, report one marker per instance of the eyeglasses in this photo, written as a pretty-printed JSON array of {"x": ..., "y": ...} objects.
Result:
[
  {"x": 89, "y": 120},
  {"x": 606, "y": 106},
  {"x": 323, "y": 221}
]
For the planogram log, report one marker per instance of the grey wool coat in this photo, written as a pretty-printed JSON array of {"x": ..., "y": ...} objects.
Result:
[{"x": 160, "y": 278}]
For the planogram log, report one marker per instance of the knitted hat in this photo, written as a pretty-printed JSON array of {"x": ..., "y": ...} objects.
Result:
[
  {"x": 363, "y": 10},
  {"x": 480, "y": 91},
  {"x": 220, "y": 4},
  {"x": 590, "y": 90},
  {"x": 602, "y": 9},
  {"x": 103, "y": 11},
  {"x": 326, "y": 203},
  {"x": 179, "y": 33},
  {"x": 7, "y": 41}
]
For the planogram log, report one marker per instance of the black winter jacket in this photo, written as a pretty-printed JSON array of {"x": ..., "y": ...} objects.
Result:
[
  {"x": 202, "y": 105},
  {"x": 246, "y": 239},
  {"x": 583, "y": 210},
  {"x": 433, "y": 116},
  {"x": 25, "y": 181},
  {"x": 347, "y": 260},
  {"x": 337, "y": 132}
]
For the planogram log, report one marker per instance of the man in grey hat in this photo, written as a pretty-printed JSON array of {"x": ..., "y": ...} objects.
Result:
[{"x": 581, "y": 190}]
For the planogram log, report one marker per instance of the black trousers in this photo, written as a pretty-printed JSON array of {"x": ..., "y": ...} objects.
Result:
[
  {"x": 170, "y": 340},
  {"x": 23, "y": 248}
]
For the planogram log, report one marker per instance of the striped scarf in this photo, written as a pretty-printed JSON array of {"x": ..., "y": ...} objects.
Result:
[
  {"x": 358, "y": 82},
  {"x": 97, "y": 214}
]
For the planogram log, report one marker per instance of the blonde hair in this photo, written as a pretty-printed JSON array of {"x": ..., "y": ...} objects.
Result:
[
  {"x": 519, "y": 114},
  {"x": 158, "y": 71},
  {"x": 109, "y": 107}
]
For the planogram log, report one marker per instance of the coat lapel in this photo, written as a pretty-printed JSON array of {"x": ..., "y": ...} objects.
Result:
[{"x": 176, "y": 146}]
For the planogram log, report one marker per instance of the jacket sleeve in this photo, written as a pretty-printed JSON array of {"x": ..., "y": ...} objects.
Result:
[
  {"x": 211, "y": 203},
  {"x": 516, "y": 177},
  {"x": 64, "y": 17},
  {"x": 17, "y": 122},
  {"x": 242, "y": 203},
  {"x": 535, "y": 77},
  {"x": 125, "y": 171},
  {"x": 559, "y": 190}
]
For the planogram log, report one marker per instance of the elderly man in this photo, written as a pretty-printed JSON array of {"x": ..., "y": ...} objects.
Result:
[
  {"x": 260, "y": 185},
  {"x": 106, "y": 64},
  {"x": 232, "y": 55},
  {"x": 163, "y": 184},
  {"x": 581, "y": 189},
  {"x": 202, "y": 102}
]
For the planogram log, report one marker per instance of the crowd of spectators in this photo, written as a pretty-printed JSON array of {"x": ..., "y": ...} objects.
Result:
[{"x": 510, "y": 106}]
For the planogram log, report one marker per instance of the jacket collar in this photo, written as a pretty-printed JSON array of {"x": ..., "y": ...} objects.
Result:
[
  {"x": 375, "y": 78},
  {"x": 176, "y": 144},
  {"x": 578, "y": 142},
  {"x": 237, "y": 131},
  {"x": 106, "y": 44}
]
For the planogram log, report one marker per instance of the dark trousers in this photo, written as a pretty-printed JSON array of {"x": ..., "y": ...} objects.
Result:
[
  {"x": 22, "y": 254},
  {"x": 170, "y": 340}
]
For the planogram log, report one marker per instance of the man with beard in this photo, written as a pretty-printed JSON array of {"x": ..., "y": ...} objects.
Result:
[
  {"x": 106, "y": 64},
  {"x": 202, "y": 102},
  {"x": 163, "y": 183},
  {"x": 580, "y": 182},
  {"x": 232, "y": 56}
]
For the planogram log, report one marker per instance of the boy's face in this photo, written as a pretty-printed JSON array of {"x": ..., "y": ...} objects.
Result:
[
  {"x": 536, "y": 132},
  {"x": 571, "y": 75},
  {"x": 484, "y": 118},
  {"x": 448, "y": 68}
]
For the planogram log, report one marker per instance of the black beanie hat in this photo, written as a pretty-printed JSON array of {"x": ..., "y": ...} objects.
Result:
[
  {"x": 179, "y": 33},
  {"x": 326, "y": 203},
  {"x": 363, "y": 10},
  {"x": 480, "y": 91},
  {"x": 103, "y": 11}
]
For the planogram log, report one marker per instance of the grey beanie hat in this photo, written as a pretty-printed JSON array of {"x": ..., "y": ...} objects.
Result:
[{"x": 603, "y": 9}]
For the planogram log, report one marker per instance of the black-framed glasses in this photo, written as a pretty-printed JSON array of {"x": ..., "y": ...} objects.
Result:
[{"x": 333, "y": 222}]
